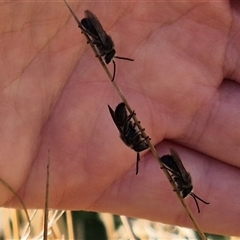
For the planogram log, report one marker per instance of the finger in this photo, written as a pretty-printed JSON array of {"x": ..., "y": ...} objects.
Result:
[
  {"x": 232, "y": 61},
  {"x": 149, "y": 195},
  {"x": 214, "y": 130}
]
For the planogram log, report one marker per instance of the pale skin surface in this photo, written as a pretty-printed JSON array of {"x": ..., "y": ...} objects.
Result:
[{"x": 183, "y": 85}]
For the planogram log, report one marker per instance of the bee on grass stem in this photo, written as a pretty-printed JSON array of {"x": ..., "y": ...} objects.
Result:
[
  {"x": 102, "y": 41},
  {"x": 129, "y": 134},
  {"x": 180, "y": 176}
]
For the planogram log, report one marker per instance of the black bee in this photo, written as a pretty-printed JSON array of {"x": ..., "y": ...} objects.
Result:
[
  {"x": 103, "y": 42},
  {"x": 180, "y": 176},
  {"x": 128, "y": 132}
]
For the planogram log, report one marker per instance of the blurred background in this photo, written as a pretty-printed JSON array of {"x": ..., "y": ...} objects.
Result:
[{"x": 83, "y": 225}]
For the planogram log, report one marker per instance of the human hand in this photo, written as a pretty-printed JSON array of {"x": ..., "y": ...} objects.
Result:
[{"x": 54, "y": 94}]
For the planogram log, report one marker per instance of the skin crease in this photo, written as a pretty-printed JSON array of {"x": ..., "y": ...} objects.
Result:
[{"x": 183, "y": 85}]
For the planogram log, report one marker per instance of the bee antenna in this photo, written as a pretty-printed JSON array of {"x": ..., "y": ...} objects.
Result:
[
  {"x": 114, "y": 70},
  {"x": 123, "y": 58},
  {"x": 195, "y": 197},
  {"x": 138, "y": 159},
  {"x": 200, "y": 198}
]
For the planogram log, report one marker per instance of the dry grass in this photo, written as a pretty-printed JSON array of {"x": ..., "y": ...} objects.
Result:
[{"x": 83, "y": 225}]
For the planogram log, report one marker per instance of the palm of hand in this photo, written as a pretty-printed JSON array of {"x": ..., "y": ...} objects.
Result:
[{"x": 54, "y": 95}]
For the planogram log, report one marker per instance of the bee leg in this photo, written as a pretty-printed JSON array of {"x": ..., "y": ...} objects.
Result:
[
  {"x": 171, "y": 172},
  {"x": 134, "y": 125},
  {"x": 138, "y": 159},
  {"x": 88, "y": 41},
  {"x": 130, "y": 116},
  {"x": 144, "y": 139},
  {"x": 140, "y": 132},
  {"x": 83, "y": 31},
  {"x": 147, "y": 138}
]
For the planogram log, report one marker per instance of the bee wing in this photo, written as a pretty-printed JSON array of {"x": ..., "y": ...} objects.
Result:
[
  {"x": 114, "y": 118},
  {"x": 181, "y": 169},
  {"x": 170, "y": 164},
  {"x": 94, "y": 27}
]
